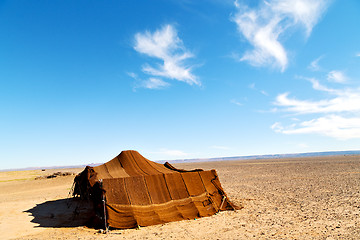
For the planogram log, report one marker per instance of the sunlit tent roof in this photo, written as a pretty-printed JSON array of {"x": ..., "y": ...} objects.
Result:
[{"x": 131, "y": 191}]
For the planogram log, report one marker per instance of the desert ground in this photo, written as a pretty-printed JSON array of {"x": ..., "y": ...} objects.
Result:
[{"x": 295, "y": 198}]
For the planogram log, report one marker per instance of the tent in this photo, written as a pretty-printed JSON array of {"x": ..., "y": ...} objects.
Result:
[{"x": 131, "y": 191}]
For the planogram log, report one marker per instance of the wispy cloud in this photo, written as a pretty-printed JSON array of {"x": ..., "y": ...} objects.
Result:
[
  {"x": 150, "y": 83},
  {"x": 253, "y": 87},
  {"x": 336, "y": 116},
  {"x": 233, "y": 101},
  {"x": 155, "y": 83},
  {"x": 357, "y": 54},
  {"x": 345, "y": 100},
  {"x": 314, "y": 65},
  {"x": 264, "y": 25},
  {"x": 165, "y": 46},
  {"x": 318, "y": 86},
  {"x": 332, "y": 125},
  {"x": 172, "y": 153},
  {"x": 336, "y": 76}
]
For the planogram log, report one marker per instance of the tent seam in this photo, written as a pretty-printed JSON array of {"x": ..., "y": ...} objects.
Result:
[{"x": 138, "y": 164}]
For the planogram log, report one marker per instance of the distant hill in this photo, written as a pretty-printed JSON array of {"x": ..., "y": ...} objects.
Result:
[
  {"x": 268, "y": 156},
  {"x": 251, "y": 157},
  {"x": 50, "y": 167}
]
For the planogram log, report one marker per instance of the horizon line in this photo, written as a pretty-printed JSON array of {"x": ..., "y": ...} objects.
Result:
[{"x": 211, "y": 159}]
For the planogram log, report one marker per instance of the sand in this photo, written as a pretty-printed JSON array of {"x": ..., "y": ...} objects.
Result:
[{"x": 298, "y": 198}]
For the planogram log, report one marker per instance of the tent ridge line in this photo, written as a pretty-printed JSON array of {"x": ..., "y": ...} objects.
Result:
[{"x": 137, "y": 163}]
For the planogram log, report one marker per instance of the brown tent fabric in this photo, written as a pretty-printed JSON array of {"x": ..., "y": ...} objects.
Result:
[{"x": 131, "y": 191}]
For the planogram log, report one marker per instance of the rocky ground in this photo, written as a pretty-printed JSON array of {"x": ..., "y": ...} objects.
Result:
[{"x": 298, "y": 198}]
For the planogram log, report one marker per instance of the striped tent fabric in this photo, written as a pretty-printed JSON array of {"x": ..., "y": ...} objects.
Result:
[{"x": 134, "y": 191}]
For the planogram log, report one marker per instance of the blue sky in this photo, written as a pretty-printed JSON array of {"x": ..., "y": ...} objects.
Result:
[{"x": 81, "y": 81}]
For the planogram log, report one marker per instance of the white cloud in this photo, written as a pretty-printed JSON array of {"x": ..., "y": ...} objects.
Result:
[
  {"x": 165, "y": 45},
  {"x": 155, "y": 83},
  {"x": 277, "y": 127},
  {"x": 236, "y": 102},
  {"x": 263, "y": 26},
  {"x": 304, "y": 12},
  {"x": 336, "y": 76},
  {"x": 253, "y": 87},
  {"x": 172, "y": 153},
  {"x": 343, "y": 101},
  {"x": 318, "y": 86},
  {"x": 314, "y": 65},
  {"x": 358, "y": 54},
  {"x": 331, "y": 125},
  {"x": 336, "y": 116},
  {"x": 150, "y": 83},
  {"x": 263, "y": 92},
  {"x": 133, "y": 75}
]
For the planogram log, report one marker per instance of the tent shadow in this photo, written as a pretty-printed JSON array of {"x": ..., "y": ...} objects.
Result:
[{"x": 62, "y": 213}]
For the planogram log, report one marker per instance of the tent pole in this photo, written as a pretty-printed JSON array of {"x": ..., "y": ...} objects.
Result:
[
  {"x": 222, "y": 203},
  {"x": 105, "y": 224},
  {"x": 104, "y": 205}
]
